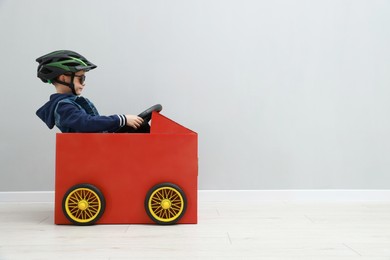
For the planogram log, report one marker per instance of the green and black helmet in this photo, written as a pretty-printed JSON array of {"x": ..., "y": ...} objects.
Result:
[{"x": 61, "y": 62}]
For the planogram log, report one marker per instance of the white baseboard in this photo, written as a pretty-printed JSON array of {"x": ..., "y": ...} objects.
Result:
[
  {"x": 27, "y": 196},
  {"x": 236, "y": 195},
  {"x": 295, "y": 195}
]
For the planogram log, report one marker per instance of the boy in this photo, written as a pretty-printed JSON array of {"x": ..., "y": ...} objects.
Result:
[{"x": 66, "y": 109}]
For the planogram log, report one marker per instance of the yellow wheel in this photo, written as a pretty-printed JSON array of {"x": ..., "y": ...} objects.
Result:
[
  {"x": 83, "y": 204},
  {"x": 165, "y": 203}
]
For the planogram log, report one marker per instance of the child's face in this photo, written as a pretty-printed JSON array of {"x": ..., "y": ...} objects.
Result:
[{"x": 78, "y": 82}]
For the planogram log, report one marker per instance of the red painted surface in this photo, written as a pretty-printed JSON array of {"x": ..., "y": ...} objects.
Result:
[{"x": 125, "y": 166}]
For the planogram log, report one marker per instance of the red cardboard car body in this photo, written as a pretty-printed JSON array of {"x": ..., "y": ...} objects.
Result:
[{"x": 124, "y": 167}]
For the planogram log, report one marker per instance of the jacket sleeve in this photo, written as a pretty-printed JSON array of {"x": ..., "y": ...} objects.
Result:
[{"x": 71, "y": 116}]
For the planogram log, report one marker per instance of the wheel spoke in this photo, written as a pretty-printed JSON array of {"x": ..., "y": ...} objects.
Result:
[
  {"x": 80, "y": 195},
  {"x": 73, "y": 200},
  {"x": 88, "y": 214},
  {"x": 77, "y": 213},
  {"x": 93, "y": 199},
  {"x": 156, "y": 200},
  {"x": 159, "y": 211},
  {"x": 89, "y": 196},
  {"x": 175, "y": 207},
  {"x": 160, "y": 195},
  {"x": 93, "y": 211},
  {"x": 176, "y": 203},
  {"x": 175, "y": 197},
  {"x": 171, "y": 194},
  {"x": 74, "y": 211},
  {"x": 172, "y": 213}
]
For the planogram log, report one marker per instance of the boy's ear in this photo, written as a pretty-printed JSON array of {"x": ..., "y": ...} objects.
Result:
[{"x": 61, "y": 77}]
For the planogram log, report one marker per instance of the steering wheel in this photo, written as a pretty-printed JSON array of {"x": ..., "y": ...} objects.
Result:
[{"x": 147, "y": 114}]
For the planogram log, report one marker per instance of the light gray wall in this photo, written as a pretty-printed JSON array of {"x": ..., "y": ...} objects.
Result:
[{"x": 284, "y": 94}]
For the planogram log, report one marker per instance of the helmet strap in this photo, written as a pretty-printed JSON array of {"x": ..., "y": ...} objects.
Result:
[{"x": 70, "y": 85}]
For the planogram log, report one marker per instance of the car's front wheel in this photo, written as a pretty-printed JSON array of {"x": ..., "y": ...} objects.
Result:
[{"x": 165, "y": 203}]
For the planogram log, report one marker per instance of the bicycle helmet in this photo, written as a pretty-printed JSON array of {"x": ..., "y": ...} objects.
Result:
[{"x": 61, "y": 62}]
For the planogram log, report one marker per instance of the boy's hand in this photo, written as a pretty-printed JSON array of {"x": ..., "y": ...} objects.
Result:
[{"x": 134, "y": 121}]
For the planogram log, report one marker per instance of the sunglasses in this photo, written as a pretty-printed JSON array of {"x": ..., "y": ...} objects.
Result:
[{"x": 81, "y": 78}]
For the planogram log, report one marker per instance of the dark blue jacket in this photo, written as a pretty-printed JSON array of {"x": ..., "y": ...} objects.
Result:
[{"x": 76, "y": 114}]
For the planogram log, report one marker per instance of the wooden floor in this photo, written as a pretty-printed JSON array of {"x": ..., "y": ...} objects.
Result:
[{"x": 226, "y": 230}]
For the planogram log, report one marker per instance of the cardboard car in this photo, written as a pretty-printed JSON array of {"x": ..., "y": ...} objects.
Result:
[{"x": 122, "y": 178}]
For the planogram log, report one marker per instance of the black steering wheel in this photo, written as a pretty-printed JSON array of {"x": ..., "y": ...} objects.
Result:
[{"x": 147, "y": 114}]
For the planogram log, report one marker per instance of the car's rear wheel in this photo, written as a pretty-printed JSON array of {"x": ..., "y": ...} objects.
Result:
[{"x": 83, "y": 204}]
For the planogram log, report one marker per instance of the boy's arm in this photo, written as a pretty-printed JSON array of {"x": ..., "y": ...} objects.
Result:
[{"x": 72, "y": 117}]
